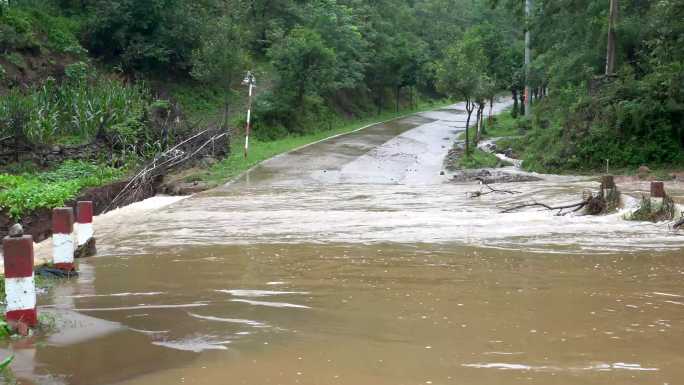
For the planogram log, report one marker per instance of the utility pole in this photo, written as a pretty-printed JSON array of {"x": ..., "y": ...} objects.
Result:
[
  {"x": 251, "y": 81},
  {"x": 610, "y": 54},
  {"x": 528, "y": 56}
]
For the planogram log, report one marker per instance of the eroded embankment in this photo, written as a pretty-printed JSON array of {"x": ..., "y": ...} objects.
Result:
[{"x": 39, "y": 224}]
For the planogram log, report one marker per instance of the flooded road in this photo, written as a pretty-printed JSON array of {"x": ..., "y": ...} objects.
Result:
[{"x": 353, "y": 261}]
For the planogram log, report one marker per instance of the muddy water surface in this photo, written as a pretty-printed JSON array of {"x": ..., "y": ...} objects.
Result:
[{"x": 354, "y": 261}]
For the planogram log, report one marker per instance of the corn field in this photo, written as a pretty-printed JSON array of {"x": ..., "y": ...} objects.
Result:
[{"x": 76, "y": 109}]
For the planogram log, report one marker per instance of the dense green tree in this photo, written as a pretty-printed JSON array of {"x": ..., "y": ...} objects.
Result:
[
  {"x": 148, "y": 34},
  {"x": 305, "y": 67},
  {"x": 221, "y": 55},
  {"x": 462, "y": 73}
]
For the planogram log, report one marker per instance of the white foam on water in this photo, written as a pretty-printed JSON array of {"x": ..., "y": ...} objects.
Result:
[
  {"x": 255, "y": 324},
  {"x": 149, "y": 332},
  {"x": 196, "y": 345},
  {"x": 502, "y": 353},
  {"x": 504, "y": 366},
  {"x": 603, "y": 367},
  {"x": 258, "y": 293},
  {"x": 152, "y": 293},
  {"x": 271, "y": 304},
  {"x": 139, "y": 307}
]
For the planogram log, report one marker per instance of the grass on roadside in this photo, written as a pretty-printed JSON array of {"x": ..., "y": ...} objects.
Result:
[
  {"x": 503, "y": 125},
  {"x": 480, "y": 159},
  {"x": 235, "y": 164}
]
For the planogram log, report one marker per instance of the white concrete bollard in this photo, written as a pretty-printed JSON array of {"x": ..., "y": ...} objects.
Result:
[{"x": 63, "y": 238}]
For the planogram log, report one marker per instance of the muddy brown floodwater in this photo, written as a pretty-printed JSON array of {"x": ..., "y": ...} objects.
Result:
[{"x": 353, "y": 261}]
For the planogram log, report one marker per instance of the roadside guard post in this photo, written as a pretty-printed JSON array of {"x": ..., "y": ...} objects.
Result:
[
  {"x": 20, "y": 289},
  {"x": 657, "y": 190},
  {"x": 63, "y": 238},
  {"x": 251, "y": 82},
  {"x": 84, "y": 229}
]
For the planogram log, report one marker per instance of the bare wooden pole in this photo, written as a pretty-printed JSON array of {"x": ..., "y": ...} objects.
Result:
[
  {"x": 528, "y": 56},
  {"x": 610, "y": 54}
]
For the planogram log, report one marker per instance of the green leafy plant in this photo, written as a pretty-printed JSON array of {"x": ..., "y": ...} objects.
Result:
[
  {"x": 5, "y": 332},
  {"x": 83, "y": 106},
  {"x": 22, "y": 194}
]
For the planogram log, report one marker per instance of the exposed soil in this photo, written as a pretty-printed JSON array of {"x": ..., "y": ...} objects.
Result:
[{"x": 32, "y": 68}]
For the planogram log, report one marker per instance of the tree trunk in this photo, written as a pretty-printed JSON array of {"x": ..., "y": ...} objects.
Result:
[
  {"x": 479, "y": 116},
  {"x": 515, "y": 111},
  {"x": 491, "y": 113},
  {"x": 522, "y": 104},
  {"x": 469, "y": 110},
  {"x": 610, "y": 54},
  {"x": 397, "y": 94},
  {"x": 528, "y": 58}
]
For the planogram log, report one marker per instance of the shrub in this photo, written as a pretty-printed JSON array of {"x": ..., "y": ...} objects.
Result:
[{"x": 76, "y": 71}]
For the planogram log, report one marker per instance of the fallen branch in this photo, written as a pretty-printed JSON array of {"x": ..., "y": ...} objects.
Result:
[
  {"x": 575, "y": 206},
  {"x": 492, "y": 190},
  {"x": 165, "y": 162}
]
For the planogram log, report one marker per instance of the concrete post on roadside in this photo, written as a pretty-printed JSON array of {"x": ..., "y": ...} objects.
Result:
[
  {"x": 20, "y": 288},
  {"x": 63, "y": 239},
  {"x": 607, "y": 182},
  {"x": 250, "y": 81},
  {"x": 84, "y": 230},
  {"x": 657, "y": 192}
]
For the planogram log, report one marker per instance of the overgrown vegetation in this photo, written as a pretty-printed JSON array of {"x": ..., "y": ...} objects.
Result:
[
  {"x": 632, "y": 116},
  {"x": 20, "y": 194},
  {"x": 480, "y": 159},
  {"x": 78, "y": 110}
]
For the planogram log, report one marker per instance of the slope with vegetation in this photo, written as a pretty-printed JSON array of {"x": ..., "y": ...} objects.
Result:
[
  {"x": 115, "y": 82},
  {"x": 592, "y": 104},
  {"x": 585, "y": 115}
]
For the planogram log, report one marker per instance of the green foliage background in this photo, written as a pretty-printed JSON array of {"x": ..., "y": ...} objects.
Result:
[{"x": 78, "y": 71}]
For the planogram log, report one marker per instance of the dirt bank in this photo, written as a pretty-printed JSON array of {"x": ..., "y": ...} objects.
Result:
[{"x": 39, "y": 223}]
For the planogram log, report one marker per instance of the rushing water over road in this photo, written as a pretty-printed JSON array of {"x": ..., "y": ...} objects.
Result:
[{"x": 353, "y": 261}]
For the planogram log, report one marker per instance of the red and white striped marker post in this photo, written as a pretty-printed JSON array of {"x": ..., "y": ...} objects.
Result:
[
  {"x": 20, "y": 288},
  {"x": 63, "y": 238},
  {"x": 251, "y": 81},
  {"x": 84, "y": 229}
]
